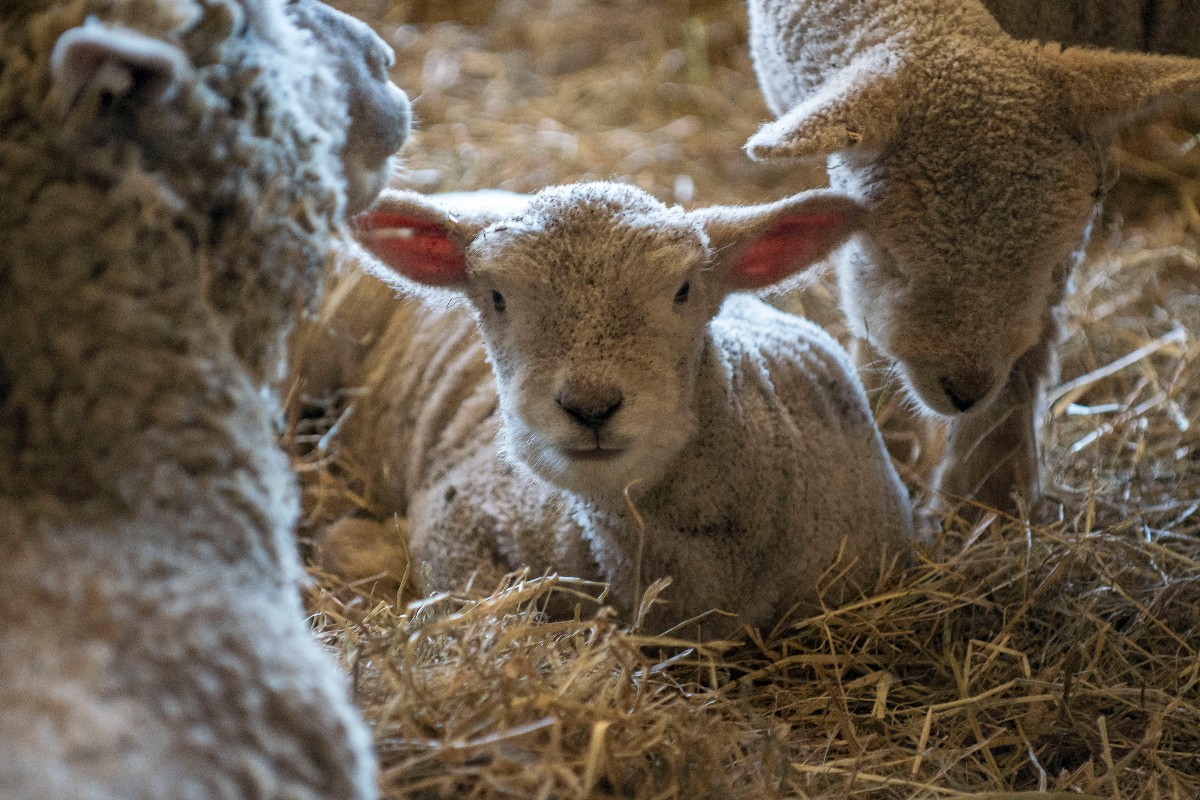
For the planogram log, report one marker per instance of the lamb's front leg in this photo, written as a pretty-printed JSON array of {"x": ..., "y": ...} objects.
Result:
[
  {"x": 991, "y": 455},
  {"x": 485, "y": 519}
]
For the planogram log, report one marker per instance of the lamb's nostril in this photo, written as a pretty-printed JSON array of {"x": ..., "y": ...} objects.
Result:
[
  {"x": 961, "y": 403},
  {"x": 964, "y": 393},
  {"x": 591, "y": 408}
]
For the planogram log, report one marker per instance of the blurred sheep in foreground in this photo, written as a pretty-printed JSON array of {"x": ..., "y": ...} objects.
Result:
[{"x": 172, "y": 173}]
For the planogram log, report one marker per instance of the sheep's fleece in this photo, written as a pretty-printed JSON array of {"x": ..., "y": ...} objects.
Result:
[
  {"x": 743, "y": 437},
  {"x": 172, "y": 173},
  {"x": 1156, "y": 26},
  {"x": 980, "y": 159}
]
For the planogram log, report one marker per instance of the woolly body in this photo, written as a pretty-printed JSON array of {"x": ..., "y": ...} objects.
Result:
[
  {"x": 979, "y": 160},
  {"x": 745, "y": 441},
  {"x": 1156, "y": 26},
  {"x": 173, "y": 173}
]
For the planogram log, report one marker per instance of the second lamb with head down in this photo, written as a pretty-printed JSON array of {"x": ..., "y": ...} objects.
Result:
[{"x": 625, "y": 372}]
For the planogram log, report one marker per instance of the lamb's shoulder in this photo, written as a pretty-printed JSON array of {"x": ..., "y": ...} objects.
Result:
[
  {"x": 788, "y": 363},
  {"x": 485, "y": 517},
  {"x": 799, "y": 431}
]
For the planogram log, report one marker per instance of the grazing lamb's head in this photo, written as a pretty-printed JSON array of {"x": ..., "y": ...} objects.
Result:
[
  {"x": 243, "y": 132},
  {"x": 379, "y": 110},
  {"x": 593, "y": 301},
  {"x": 979, "y": 160}
]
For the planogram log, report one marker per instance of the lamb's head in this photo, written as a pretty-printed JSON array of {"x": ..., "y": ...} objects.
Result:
[
  {"x": 979, "y": 161},
  {"x": 379, "y": 111},
  {"x": 593, "y": 301},
  {"x": 248, "y": 129}
]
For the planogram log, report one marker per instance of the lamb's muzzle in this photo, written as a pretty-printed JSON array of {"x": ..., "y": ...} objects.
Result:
[{"x": 589, "y": 403}]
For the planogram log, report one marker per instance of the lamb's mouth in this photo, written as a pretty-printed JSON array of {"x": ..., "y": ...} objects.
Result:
[{"x": 595, "y": 453}]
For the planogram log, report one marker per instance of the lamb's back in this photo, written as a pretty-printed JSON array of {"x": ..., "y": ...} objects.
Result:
[
  {"x": 427, "y": 398},
  {"x": 1171, "y": 27}
]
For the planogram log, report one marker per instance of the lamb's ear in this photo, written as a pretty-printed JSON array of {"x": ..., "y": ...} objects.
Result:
[
  {"x": 95, "y": 63},
  {"x": 1105, "y": 88},
  {"x": 758, "y": 246},
  {"x": 414, "y": 236},
  {"x": 856, "y": 109}
]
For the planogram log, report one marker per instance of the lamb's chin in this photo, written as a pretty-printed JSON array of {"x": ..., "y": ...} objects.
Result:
[{"x": 601, "y": 476}]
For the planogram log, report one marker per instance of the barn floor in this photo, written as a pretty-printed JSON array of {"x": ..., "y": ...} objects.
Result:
[{"x": 1017, "y": 660}]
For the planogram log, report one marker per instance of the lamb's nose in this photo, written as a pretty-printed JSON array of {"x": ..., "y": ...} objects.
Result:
[
  {"x": 966, "y": 387},
  {"x": 590, "y": 405}
]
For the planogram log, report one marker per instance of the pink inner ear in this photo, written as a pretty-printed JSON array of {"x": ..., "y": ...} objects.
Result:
[
  {"x": 417, "y": 248},
  {"x": 788, "y": 247}
]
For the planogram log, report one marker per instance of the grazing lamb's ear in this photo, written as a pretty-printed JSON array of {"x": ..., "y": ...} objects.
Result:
[
  {"x": 99, "y": 64},
  {"x": 415, "y": 237},
  {"x": 758, "y": 246},
  {"x": 1105, "y": 88},
  {"x": 856, "y": 109}
]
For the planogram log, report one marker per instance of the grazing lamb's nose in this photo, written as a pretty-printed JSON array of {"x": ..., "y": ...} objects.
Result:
[
  {"x": 966, "y": 387},
  {"x": 589, "y": 404}
]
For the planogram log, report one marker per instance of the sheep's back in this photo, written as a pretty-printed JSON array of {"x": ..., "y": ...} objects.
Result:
[
  {"x": 1165, "y": 26},
  {"x": 428, "y": 398}
]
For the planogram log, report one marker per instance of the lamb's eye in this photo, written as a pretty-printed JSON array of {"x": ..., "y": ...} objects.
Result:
[
  {"x": 498, "y": 301},
  {"x": 682, "y": 295}
]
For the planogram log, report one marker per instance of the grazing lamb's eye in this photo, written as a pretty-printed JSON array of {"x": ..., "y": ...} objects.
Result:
[
  {"x": 682, "y": 295},
  {"x": 498, "y": 301}
]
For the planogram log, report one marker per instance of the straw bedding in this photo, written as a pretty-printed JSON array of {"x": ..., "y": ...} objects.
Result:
[{"x": 1056, "y": 659}]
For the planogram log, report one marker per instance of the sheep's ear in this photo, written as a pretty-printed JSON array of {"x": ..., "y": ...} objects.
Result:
[
  {"x": 415, "y": 237},
  {"x": 758, "y": 246},
  {"x": 1105, "y": 88},
  {"x": 857, "y": 109},
  {"x": 95, "y": 65}
]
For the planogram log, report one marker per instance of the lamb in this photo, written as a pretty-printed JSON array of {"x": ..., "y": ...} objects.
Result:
[
  {"x": 173, "y": 171},
  {"x": 980, "y": 160},
  {"x": 621, "y": 364}
]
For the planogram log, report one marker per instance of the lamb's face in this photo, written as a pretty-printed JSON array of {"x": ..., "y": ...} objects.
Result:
[
  {"x": 974, "y": 219},
  {"x": 379, "y": 111},
  {"x": 594, "y": 316},
  {"x": 593, "y": 300}
]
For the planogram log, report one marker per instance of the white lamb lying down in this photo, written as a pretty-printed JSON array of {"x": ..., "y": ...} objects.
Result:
[
  {"x": 979, "y": 160},
  {"x": 620, "y": 361},
  {"x": 172, "y": 172}
]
